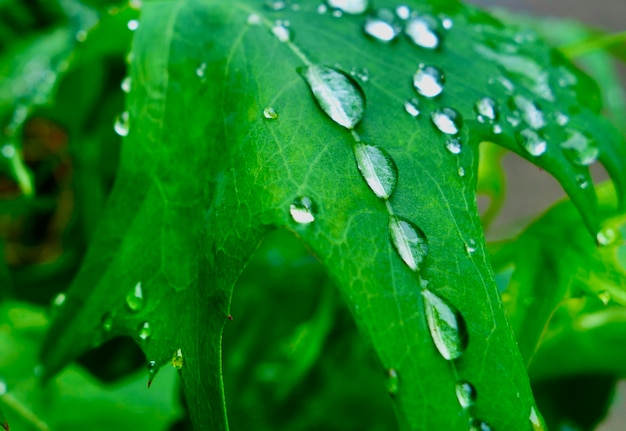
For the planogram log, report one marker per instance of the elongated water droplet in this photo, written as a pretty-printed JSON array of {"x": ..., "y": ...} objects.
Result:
[
  {"x": 531, "y": 114},
  {"x": 107, "y": 321},
  {"x": 153, "y": 369},
  {"x": 126, "y": 84},
  {"x": 409, "y": 241},
  {"x": 530, "y": 141},
  {"x": 447, "y": 120},
  {"x": 282, "y": 31},
  {"x": 393, "y": 381},
  {"x": 177, "y": 359},
  {"x": 353, "y": 7},
  {"x": 134, "y": 298},
  {"x": 470, "y": 246},
  {"x": 121, "y": 125},
  {"x": 466, "y": 394},
  {"x": 382, "y": 26},
  {"x": 144, "y": 330},
  {"x": 201, "y": 70},
  {"x": 403, "y": 12},
  {"x": 59, "y": 300},
  {"x": 339, "y": 96},
  {"x": 411, "y": 106},
  {"x": 487, "y": 108},
  {"x": 454, "y": 146},
  {"x": 535, "y": 420},
  {"x": 428, "y": 80},
  {"x": 606, "y": 236},
  {"x": 377, "y": 168},
  {"x": 447, "y": 326},
  {"x": 479, "y": 425},
  {"x": 422, "y": 31},
  {"x": 461, "y": 172},
  {"x": 270, "y": 113},
  {"x": 580, "y": 149},
  {"x": 303, "y": 210}
]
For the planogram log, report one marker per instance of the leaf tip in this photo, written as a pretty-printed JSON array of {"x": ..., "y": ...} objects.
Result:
[{"x": 5, "y": 425}]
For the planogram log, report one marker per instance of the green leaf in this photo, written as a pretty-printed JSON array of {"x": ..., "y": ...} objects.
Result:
[
  {"x": 226, "y": 141},
  {"x": 3, "y": 421}
]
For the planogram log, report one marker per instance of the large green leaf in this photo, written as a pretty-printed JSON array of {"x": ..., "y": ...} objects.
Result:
[{"x": 208, "y": 169}]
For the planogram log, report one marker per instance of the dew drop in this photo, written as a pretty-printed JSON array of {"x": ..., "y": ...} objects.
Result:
[
  {"x": 337, "y": 13},
  {"x": 582, "y": 181},
  {"x": 270, "y": 113},
  {"x": 134, "y": 298},
  {"x": 409, "y": 241},
  {"x": 461, "y": 172},
  {"x": 275, "y": 5},
  {"x": 8, "y": 151},
  {"x": 486, "y": 107},
  {"x": 282, "y": 31},
  {"x": 403, "y": 12},
  {"x": 447, "y": 23},
  {"x": 479, "y": 425},
  {"x": 338, "y": 95},
  {"x": 59, "y": 300},
  {"x": 201, "y": 70},
  {"x": 580, "y": 149},
  {"x": 353, "y": 7},
  {"x": 606, "y": 236},
  {"x": 454, "y": 146},
  {"x": 421, "y": 30},
  {"x": 411, "y": 106},
  {"x": 126, "y": 84},
  {"x": 466, "y": 394},
  {"x": 470, "y": 246},
  {"x": 177, "y": 359},
  {"x": 535, "y": 420},
  {"x": 121, "y": 125},
  {"x": 133, "y": 24},
  {"x": 106, "y": 321},
  {"x": 302, "y": 210},
  {"x": 153, "y": 369},
  {"x": 393, "y": 381},
  {"x": 532, "y": 142},
  {"x": 377, "y": 168},
  {"x": 447, "y": 326},
  {"x": 382, "y": 26},
  {"x": 562, "y": 119},
  {"x": 497, "y": 129},
  {"x": 144, "y": 330},
  {"x": 322, "y": 9},
  {"x": 531, "y": 114},
  {"x": 81, "y": 36},
  {"x": 253, "y": 19},
  {"x": 447, "y": 120},
  {"x": 362, "y": 74},
  {"x": 428, "y": 80}
]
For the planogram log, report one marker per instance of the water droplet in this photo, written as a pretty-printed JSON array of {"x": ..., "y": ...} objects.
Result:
[
  {"x": 270, "y": 113},
  {"x": 302, "y": 210},
  {"x": 338, "y": 95},
  {"x": 275, "y": 5},
  {"x": 126, "y": 84},
  {"x": 497, "y": 129},
  {"x": 428, "y": 80},
  {"x": 532, "y": 142},
  {"x": 4, "y": 388},
  {"x": 409, "y": 241},
  {"x": 562, "y": 119},
  {"x": 606, "y": 236},
  {"x": 478, "y": 425},
  {"x": 470, "y": 246},
  {"x": 153, "y": 369},
  {"x": 377, "y": 168},
  {"x": 282, "y": 31},
  {"x": 422, "y": 31},
  {"x": 403, "y": 12},
  {"x": 447, "y": 326},
  {"x": 362, "y": 74},
  {"x": 382, "y": 26},
  {"x": 392, "y": 381},
  {"x": 201, "y": 70},
  {"x": 447, "y": 120},
  {"x": 461, "y": 172},
  {"x": 580, "y": 149},
  {"x": 486, "y": 107},
  {"x": 454, "y": 146},
  {"x": 81, "y": 36},
  {"x": 582, "y": 181},
  {"x": 144, "y": 330},
  {"x": 535, "y": 420},
  {"x": 133, "y": 24},
  {"x": 337, "y": 13},
  {"x": 604, "y": 296},
  {"x": 353, "y": 7},
  {"x": 59, "y": 300},
  {"x": 466, "y": 394},
  {"x": 411, "y": 106},
  {"x": 134, "y": 298},
  {"x": 135, "y": 4},
  {"x": 253, "y": 19},
  {"x": 447, "y": 23},
  {"x": 8, "y": 151},
  {"x": 322, "y": 9},
  {"x": 177, "y": 359},
  {"x": 531, "y": 114},
  {"x": 122, "y": 123},
  {"x": 106, "y": 321}
]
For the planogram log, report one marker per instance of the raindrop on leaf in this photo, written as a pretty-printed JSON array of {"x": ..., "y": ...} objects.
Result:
[
  {"x": 447, "y": 326},
  {"x": 454, "y": 146},
  {"x": 487, "y": 108},
  {"x": 382, "y": 26},
  {"x": 134, "y": 298},
  {"x": 121, "y": 125},
  {"x": 393, "y": 381},
  {"x": 411, "y": 106},
  {"x": 422, "y": 31},
  {"x": 580, "y": 149},
  {"x": 466, "y": 394},
  {"x": 270, "y": 113},
  {"x": 447, "y": 120},
  {"x": 282, "y": 31},
  {"x": 353, "y": 7},
  {"x": 531, "y": 142},
  {"x": 535, "y": 420},
  {"x": 126, "y": 84},
  {"x": 377, "y": 168},
  {"x": 409, "y": 241},
  {"x": 302, "y": 210},
  {"x": 479, "y": 425},
  {"x": 177, "y": 359},
  {"x": 144, "y": 330},
  {"x": 428, "y": 81}
]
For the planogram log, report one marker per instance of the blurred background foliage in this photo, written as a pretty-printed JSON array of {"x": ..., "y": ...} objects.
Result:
[{"x": 293, "y": 359}]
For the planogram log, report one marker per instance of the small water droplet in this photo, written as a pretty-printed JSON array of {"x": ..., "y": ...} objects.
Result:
[
  {"x": 338, "y": 95},
  {"x": 59, "y": 300},
  {"x": 153, "y": 369},
  {"x": 201, "y": 70},
  {"x": 561, "y": 119},
  {"x": 126, "y": 84},
  {"x": 403, "y": 12},
  {"x": 133, "y": 24},
  {"x": 606, "y": 236},
  {"x": 353, "y": 7},
  {"x": 270, "y": 113},
  {"x": 447, "y": 23},
  {"x": 81, "y": 36},
  {"x": 411, "y": 106},
  {"x": 454, "y": 146},
  {"x": 382, "y": 26},
  {"x": 106, "y": 321},
  {"x": 447, "y": 326},
  {"x": 497, "y": 129},
  {"x": 393, "y": 381},
  {"x": 486, "y": 107},
  {"x": 428, "y": 80},
  {"x": 377, "y": 168},
  {"x": 302, "y": 210},
  {"x": 461, "y": 172},
  {"x": 466, "y": 394},
  {"x": 531, "y": 114},
  {"x": 470, "y": 246},
  {"x": 144, "y": 330},
  {"x": 580, "y": 149},
  {"x": 253, "y": 19},
  {"x": 582, "y": 181},
  {"x": 478, "y": 425},
  {"x": 177, "y": 359},
  {"x": 8, "y": 151},
  {"x": 535, "y": 420},
  {"x": 422, "y": 31},
  {"x": 322, "y": 9},
  {"x": 122, "y": 123},
  {"x": 134, "y": 298},
  {"x": 532, "y": 142},
  {"x": 362, "y": 74},
  {"x": 275, "y": 5},
  {"x": 282, "y": 31},
  {"x": 447, "y": 120},
  {"x": 409, "y": 241}
]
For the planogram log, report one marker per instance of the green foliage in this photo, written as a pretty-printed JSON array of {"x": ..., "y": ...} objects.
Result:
[{"x": 290, "y": 160}]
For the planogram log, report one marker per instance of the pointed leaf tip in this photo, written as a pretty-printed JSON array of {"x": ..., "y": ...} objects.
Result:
[{"x": 5, "y": 425}]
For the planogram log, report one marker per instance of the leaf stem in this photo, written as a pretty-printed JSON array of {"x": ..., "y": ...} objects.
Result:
[{"x": 578, "y": 49}]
